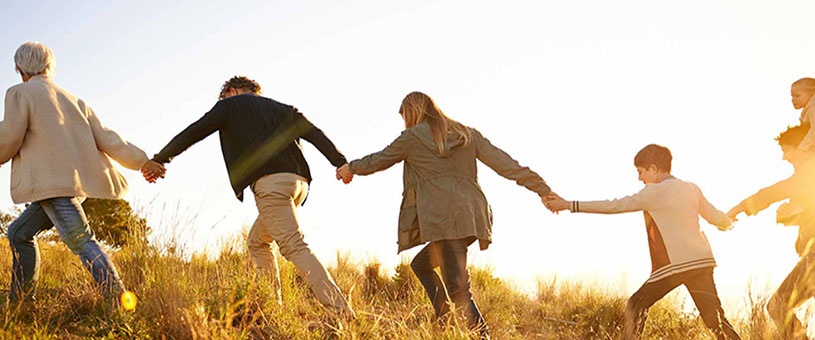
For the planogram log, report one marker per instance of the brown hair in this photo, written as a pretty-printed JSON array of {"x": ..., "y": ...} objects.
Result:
[
  {"x": 239, "y": 82},
  {"x": 418, "y": 107},
  {"x": 654, "y": 154}
]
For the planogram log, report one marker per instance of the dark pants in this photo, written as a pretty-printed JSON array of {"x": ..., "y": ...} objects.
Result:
[
  {"x": 453, "y": 284},
  {"x": 699, "y": 283},
  {"x": 798, "y": 287}
]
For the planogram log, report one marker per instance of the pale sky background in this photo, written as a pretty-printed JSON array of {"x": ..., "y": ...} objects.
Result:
[{"x": 572, "y": 89}]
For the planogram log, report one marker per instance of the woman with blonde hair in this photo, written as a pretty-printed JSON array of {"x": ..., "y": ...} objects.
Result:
[{"x": 442, "y": 203}]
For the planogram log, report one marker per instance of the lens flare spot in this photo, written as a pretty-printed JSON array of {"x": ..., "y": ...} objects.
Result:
[{"x": 128, "y": 300}]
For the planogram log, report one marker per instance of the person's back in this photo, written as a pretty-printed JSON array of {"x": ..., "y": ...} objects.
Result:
[
  {"x": 46, "y": 124},
  {"x": 442, "y": 198},
  {"x": 260, "y": 145},
  {"x": 442, "y": 203},
  {"x": 260, "y": 136},
  {"x": 454, "y": 159},
  {"x": 59, "y": 150},
  {"x": 680, "y": 252},
  {"x": 673, "y": 208}
]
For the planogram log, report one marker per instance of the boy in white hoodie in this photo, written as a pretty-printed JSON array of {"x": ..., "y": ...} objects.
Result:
[{"x": 680, "y": 252}]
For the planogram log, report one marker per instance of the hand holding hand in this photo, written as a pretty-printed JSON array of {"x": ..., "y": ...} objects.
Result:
[
  {"x": 733, "y": 212},
  {"x": 344, "y": 173},
  {"x": 555, "y": 203},
  {"x": 152, "y": 171}
]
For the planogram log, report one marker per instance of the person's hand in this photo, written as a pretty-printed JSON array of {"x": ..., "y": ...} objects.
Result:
[
  {"x": 152, "y": 171},
  {"x": 555, "y": 203},
  {"x": 344, "y": 173},
  {"x": 733, "y": 212},
  {"x": 546, "y": 198}
]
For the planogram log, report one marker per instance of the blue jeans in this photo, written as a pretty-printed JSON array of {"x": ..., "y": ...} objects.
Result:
[
  {"x": 453, "y": 284},
  {"x": 67, "y": 215}
]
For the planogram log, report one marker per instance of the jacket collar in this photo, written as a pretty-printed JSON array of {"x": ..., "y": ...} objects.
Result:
[{"x": 40, "y": 79}]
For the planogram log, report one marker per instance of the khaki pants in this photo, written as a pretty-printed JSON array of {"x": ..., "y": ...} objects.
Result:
[{"x": 277, "y": 197}]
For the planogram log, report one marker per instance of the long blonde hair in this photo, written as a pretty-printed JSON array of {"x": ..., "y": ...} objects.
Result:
[{"x": 418, "y": 107}]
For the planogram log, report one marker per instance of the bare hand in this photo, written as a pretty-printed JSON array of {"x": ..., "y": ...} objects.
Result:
[
  {"x": 152, "y": 171},
  {"x": 555, "y": 203},
  {"x": 733, "y": 212},
  {"x": 344, "y": 173}
]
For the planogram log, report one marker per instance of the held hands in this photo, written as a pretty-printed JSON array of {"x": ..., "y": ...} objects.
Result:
[
  {"x": 152, "y": 171},
  {"x": 344, "y": 173},
  {"x": 733, "y": 212},
  {"x": 554, "y": 202}
]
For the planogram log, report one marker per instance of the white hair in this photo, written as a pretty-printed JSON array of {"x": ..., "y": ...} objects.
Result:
[{"x": 34, "y": 58}]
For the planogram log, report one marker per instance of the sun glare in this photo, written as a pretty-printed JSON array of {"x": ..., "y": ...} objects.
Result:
[{"x": 128, "y": 300}]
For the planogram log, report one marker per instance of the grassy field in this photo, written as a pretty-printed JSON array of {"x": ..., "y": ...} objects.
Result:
[{"x": 202, "y": 298}]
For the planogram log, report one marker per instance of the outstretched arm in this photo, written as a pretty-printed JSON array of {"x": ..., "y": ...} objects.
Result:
[
  {"x": 763, "y": 198},
  {"x": 395, "y": 152},
  {"x": 712, "y": 215},
  {"x": 203, "y": 127},
  {"x": 503, "y": 164},
  {"x": 642, "y": 200},
  {"x": 316, "y": 137},
  {"x": 109, "y": 142}
]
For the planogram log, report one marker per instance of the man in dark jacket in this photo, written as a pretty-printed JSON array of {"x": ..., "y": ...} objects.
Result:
[{"x": 260, "y": 141}]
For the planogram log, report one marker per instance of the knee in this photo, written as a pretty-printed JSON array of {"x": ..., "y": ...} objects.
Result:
[
  {"x": 254, "y": 243},
  {"x": 16, "y": 238},
  {"x": 292, "y": 245},
  {"x": 776, "y": 307},
  {"x": 458, "y": 287},
  {"x": 420, "y": 266},
  {"x": 79, "y": 239},
  {"x": 633, "y": 307},
  {"x": 460, "y": 294}
]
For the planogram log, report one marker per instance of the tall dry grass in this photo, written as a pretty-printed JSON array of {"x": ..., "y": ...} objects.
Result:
[{"x": 201, "y": 298}]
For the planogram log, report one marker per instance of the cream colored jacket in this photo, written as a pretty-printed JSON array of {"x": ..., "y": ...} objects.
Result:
[
  {"x": 672, "y": 208},
  {"x": 58, "y": 146}
]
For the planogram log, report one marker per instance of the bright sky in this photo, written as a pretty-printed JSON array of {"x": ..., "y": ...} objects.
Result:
[{"x": 572, "y": 89}]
